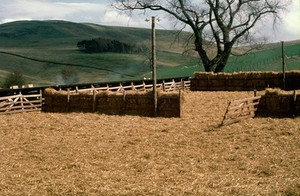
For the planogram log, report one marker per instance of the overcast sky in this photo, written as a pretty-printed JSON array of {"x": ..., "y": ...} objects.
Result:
[{"x": 100, "y": 12}]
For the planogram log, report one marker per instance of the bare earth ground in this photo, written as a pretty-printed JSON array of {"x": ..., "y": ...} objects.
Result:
[{"x": 93, "y": 154}]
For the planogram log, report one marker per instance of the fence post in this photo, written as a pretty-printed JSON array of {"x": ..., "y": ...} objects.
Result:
[
  {"x": 132, "y": 86},
  {"x": 21, "y": 99},
  {"x": 41, "y": 98},
  {"x": 283, "y": 64},
  {"x": 163, "y": 86},
  {"x": 294, "y": 109},
  {"x": 182, "y": 84},
  {"x": 94, "y": 100},
  {"x": 68, "y": 101}
]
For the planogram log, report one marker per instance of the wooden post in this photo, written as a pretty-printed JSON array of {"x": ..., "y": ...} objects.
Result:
[
  {"x": 144, "y": 86},
  {"x": 94, "y": 100},
  {"x": 21, "y": 99},
  {"x": 154, "y": 66},
  {"x": 182, "y": 84},
  {"x": 283, "y": 64},
  {"x": 294, "y": 109},
  {"x": 68, "y": 100},
  {"x": 77, "y": 90},
  {"x": 41, "y": 98}
]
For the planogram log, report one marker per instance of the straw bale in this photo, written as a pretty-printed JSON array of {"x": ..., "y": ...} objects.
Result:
[
  {"x": 86, "y": 92},
  {"x": 52, "y": 91},
  {"x": 257, "y": 74},
  {"x": 202, "y": 75},
  {"x": 277, "y": 91},
  {"x": 277, "y": 102},
  {"x": 168, "y": 94},
  {"x": 169, "y": 107},
  {"x": 222, "y": 75},
  {"x": 81, "y": 103},
  {"x": 294, "y": 73},
  {"x": 107, "y": 94},
  {"x": 212, "y": 76}
]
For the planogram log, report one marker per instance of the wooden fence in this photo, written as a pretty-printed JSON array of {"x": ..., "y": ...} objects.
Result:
[
  {"x": 27, "y": 101},
  {"x": 163, "y": 86},
  {"x": 21, "y": 103},
  {"x": 238, "y": 110}
]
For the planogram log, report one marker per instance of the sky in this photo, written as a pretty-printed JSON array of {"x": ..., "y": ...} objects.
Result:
[{"x": 100, "y": 12}]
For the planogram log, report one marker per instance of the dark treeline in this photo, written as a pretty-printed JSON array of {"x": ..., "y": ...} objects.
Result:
[{"x": 107, "y": 45}]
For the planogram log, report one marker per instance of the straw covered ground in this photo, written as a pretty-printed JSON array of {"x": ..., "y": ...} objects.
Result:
[{"x": 92, "y": 154}]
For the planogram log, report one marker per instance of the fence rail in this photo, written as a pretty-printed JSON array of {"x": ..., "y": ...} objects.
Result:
[
  {"x": 21, "y": 103},
  {"x": 238, "y": 110},
  {"x": 164, "y": 86}
]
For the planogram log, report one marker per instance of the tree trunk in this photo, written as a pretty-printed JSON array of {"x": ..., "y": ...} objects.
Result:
[
  {"x": 220, "y": 68},
  {"x": 224, "y": 56},
  {"x": 208, "y": 67}
]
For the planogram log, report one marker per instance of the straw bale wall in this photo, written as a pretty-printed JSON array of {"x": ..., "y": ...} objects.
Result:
[
  {"x": 114, "y": 103},
  {"x": 244, "y": 81},
  {"x": 279, "y": 103}
]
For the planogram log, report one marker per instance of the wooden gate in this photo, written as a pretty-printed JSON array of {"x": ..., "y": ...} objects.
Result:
[
  {"x": 21, "y": 103},
  {"x": 238, "y": 110}
]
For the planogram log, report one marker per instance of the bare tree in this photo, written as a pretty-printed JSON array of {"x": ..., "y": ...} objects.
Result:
[{"x": 222, "y": 23}]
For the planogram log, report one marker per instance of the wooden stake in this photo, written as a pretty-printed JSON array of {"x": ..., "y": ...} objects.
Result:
[
  {"x": 283, "y": 64},
  {"x": 154, "y": 66}
]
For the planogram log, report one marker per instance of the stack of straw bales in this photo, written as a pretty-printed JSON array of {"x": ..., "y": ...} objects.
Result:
[
  {"x": 239, "y": 81},
  {"x": 55, "y": 101},
  {"x": 170, "y": 104},
  {"x": 279, "y": 103},
  {"x": 113, "y": 103}
]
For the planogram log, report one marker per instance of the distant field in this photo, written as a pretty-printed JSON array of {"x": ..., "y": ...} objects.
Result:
[
  {"x": 55, "y": 41},
  {"x": 267, "y": 60}
]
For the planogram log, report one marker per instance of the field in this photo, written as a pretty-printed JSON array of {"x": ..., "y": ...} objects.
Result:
[
  {"x": 55, "y": 42},
  {"x": 93, "y": 154}
]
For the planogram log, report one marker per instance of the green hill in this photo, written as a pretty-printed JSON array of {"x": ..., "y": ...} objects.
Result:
[
  {"x": 44, "y": 51},
  {"x": 54, "y": 42}
]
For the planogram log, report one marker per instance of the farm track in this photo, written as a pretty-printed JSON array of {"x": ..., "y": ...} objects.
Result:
[{"x": 93, "y": 154}]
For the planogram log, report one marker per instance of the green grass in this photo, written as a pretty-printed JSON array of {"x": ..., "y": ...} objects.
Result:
[
  {"x": 55, "y": 41},
  {"x": 266, "y": 60}
]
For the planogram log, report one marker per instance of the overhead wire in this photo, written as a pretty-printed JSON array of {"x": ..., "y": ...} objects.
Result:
[{"x": 68, "y": 64}]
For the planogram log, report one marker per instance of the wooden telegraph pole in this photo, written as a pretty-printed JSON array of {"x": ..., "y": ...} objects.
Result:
[{"x": 154, "y": 66}]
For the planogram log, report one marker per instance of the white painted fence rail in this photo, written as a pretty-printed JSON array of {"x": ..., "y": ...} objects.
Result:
[
  {"x": 164, "y": 86},
  {"x": 21, "y": 103}
]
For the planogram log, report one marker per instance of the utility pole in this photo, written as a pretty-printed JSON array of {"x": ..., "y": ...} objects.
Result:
[
  {"x": 283, "y": 64},
  {"x": 154, "y": 66}
]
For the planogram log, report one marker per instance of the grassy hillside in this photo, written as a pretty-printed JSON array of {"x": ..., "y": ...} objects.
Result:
[
  {"x": 53, "y": 42},
  {"x": 268, "y": 59}
]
